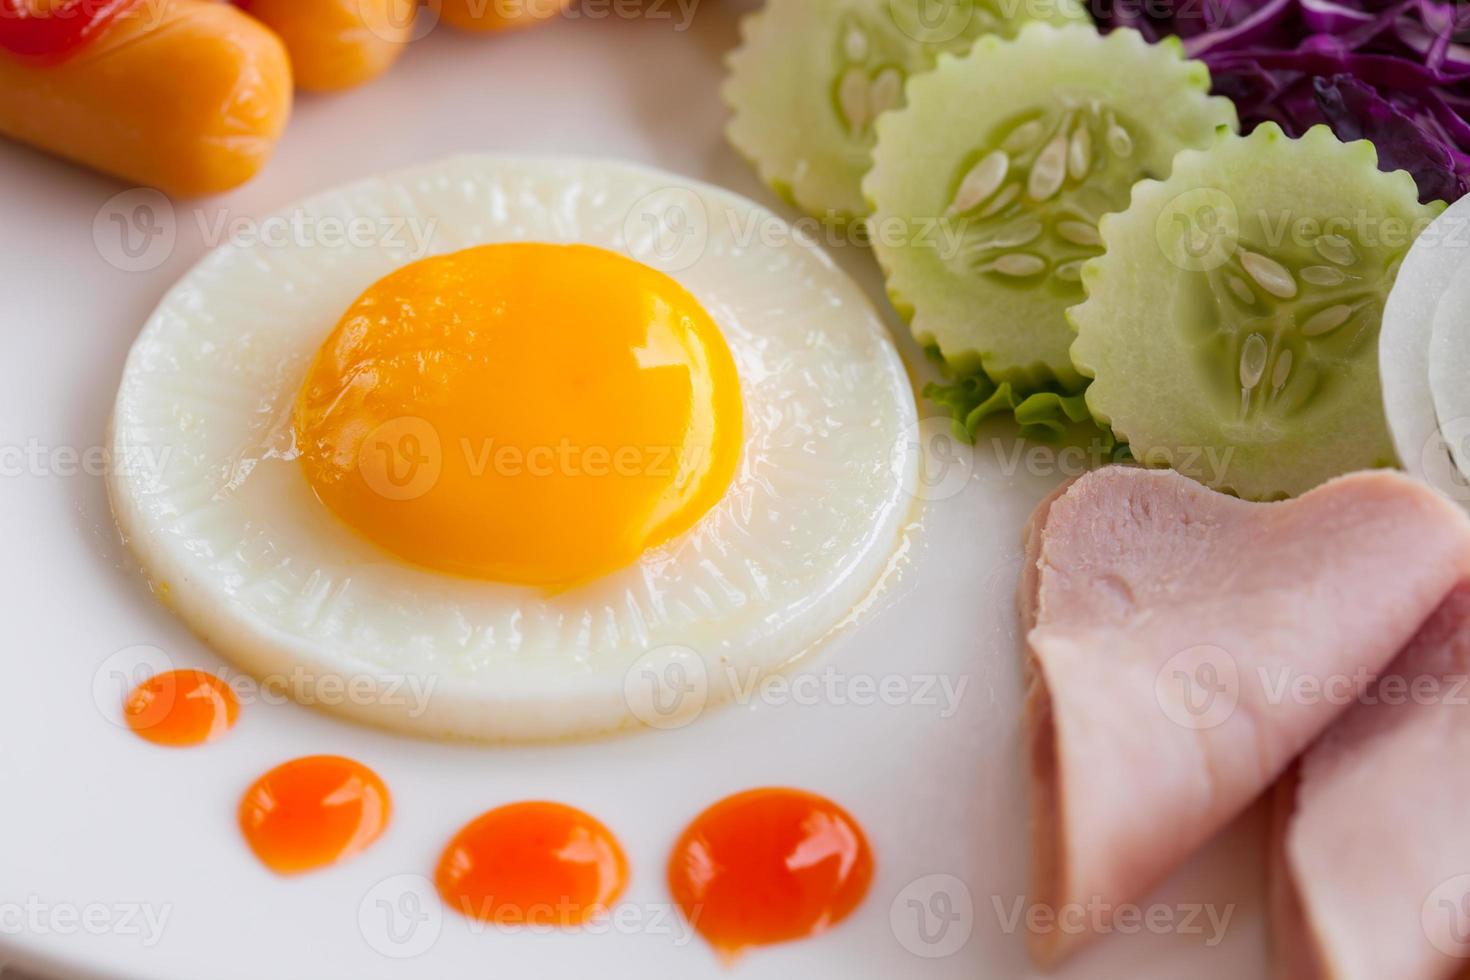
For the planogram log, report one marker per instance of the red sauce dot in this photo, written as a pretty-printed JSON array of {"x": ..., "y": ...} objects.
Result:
[
  {"x": 534, "y": 864},
  {"x": 51, "y": 32},
  {"x": 768, "y": 866},
  {"x": 181, "y": 707},
  {"x": 312, "y": 812}
]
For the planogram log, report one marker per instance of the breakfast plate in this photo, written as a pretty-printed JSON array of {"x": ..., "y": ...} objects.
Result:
[{"x": 123, "y": 860}]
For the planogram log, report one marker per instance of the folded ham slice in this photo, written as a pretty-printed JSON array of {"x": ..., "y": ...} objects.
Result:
[
  {"x": 1371, "y": 870},
  {"x": 1173, "y": 630}
]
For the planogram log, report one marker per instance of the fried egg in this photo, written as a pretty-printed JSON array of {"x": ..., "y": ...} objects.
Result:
[{"x": 597, "y": 424}]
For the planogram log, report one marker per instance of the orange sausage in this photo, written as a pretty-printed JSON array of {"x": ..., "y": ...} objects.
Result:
[
  {"x": 187, "y": 96},
  {"x": 498, "y": 15},
  {"x": 336, "y": 44}
]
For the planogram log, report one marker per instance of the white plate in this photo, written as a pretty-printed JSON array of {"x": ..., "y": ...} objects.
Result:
[{"x": 100, "y": 828}]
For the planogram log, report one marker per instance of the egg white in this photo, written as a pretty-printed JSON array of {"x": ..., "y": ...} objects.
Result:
[{"x": 229, "y": 531}]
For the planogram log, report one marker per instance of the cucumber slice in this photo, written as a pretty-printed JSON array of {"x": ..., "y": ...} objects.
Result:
[
  {"x": 812, "y": 76},
  {"x": 1232, "y": 325},
  {"x": 988, "y": 187}
]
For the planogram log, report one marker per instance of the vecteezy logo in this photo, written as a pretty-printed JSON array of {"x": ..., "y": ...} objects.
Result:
[
  {"x": 932, "y": 21},
  {"x": 667, "y": 687},
  {"x": 135, "y": 231},
  {"x": 1445, "y": 917},
  {"x": 1199, "y": 230},
  {"x": 400, "y": 917},
  {"x": 402, "y": 458},
  {"x": 115, "y": 678},
  {"x": 933, "y": 917},
  {"x": 399, "y": 21},
  {"x": 1198, "y": 688},
  {"x": 667, "y": 229},
  {"x": 934, "y": 465},
  {"x": 1444, "y": 452}
]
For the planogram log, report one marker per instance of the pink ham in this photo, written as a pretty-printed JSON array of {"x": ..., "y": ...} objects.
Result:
[
  {"x": 1165, "y": 619},
  {"x": 1371, "y": 872}
]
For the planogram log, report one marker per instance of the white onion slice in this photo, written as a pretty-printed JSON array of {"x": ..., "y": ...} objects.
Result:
[
  {"x": 1449, "y": 373},
  {"x": 1424, "y": 355}
]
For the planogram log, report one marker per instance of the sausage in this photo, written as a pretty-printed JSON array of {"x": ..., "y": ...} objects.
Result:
[
  {"x": 188, "y": 96},
  {"x": 337, "y": 44}
]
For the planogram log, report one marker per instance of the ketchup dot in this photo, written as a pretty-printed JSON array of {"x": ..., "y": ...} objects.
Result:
[
  {"x": 768, "y": 866},
  {"x": 312, "y": 812},
  {"x": 534, "y": 864},
  {"x": 181, "y": 707}
]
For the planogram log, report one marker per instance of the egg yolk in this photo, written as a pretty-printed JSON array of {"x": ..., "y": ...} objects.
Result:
[
  {"x": 534, "y": 864},
  {"x": 529, "y": 413},
  {"x": 767, "y": 866},
  {"x": 312, "y": 812},
  {"x": 181, "y": 707}
]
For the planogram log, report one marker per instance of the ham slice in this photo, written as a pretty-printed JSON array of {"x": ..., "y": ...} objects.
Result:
[
  {"x": 1170, "y": 628},
  {"x": 1371, "y": 870}
]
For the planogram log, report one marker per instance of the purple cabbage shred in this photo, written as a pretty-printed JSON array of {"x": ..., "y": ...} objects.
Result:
[{"x": 1395, "y": 73}]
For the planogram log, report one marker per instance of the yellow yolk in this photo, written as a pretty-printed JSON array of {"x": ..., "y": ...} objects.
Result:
[{"x": 529, "y": 413}]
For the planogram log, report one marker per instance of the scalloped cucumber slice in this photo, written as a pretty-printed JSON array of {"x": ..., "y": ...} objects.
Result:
[
  {"x": 812, "y": 76},
  {"x": 987, "y": 188},
  {"x": 1232, "y": 325}
]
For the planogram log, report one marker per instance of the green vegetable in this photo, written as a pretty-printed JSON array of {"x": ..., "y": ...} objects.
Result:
[
  {"x": 1232, "y": 325},
  {"x": 812, "y": 76},
  {"x": 988, "y": 187},
  {"x": 1046, "y": 416}
]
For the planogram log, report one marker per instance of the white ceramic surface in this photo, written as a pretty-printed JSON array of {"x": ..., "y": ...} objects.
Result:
[{"x": 99, "y": 830}]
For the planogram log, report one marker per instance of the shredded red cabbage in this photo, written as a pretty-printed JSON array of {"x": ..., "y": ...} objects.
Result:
[{"x": 1395, "y": 72}]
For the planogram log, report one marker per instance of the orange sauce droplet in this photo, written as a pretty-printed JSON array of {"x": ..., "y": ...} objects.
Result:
[
  {"x": 312, "y": 812},
  {"x": 181, "y": 707},
  {"x": 535, "y": 864},
  {"x": 768, "y": 866}
]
